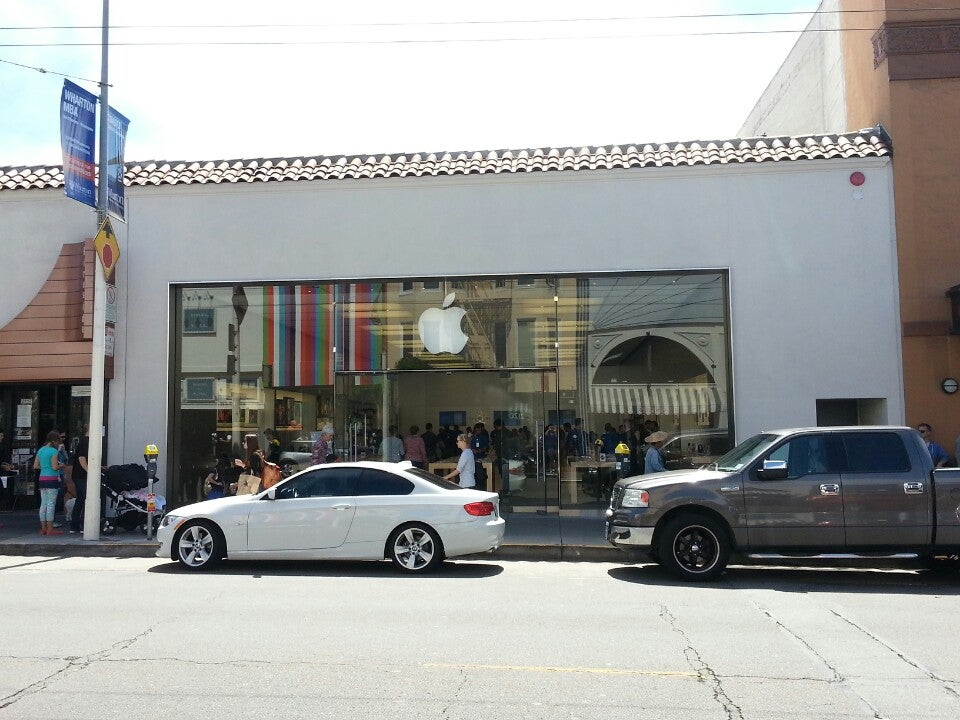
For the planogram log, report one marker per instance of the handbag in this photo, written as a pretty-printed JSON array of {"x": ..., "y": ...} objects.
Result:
[
  {"x": 248, "y": 484},
  {"x": 271, "y": 475}
]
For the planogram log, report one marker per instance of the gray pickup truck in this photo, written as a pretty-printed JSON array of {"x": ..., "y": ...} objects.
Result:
[{"x": 837, "y": 491}]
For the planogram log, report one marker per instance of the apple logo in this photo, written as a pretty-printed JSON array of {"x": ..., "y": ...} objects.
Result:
[{"x": 440, "y": 328}]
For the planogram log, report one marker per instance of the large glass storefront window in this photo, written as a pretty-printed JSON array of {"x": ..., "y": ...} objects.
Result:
[{"x": 552, "y": 371}]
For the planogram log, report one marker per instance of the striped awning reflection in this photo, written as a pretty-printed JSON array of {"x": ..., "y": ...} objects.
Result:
[{"x": 653, "y": 399}]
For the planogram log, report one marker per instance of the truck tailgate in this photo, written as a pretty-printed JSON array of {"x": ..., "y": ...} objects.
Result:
[{"x": 946, "y": 483}]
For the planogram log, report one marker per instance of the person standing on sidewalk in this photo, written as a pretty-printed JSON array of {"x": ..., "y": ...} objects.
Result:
[
  {"x": 48, "y": 464},
  {"x": 466, "y": 465},
  {"x": 80, "y": 482}
]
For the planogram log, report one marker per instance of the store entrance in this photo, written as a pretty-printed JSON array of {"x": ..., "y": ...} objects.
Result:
[{"x": 514, "y": 406}]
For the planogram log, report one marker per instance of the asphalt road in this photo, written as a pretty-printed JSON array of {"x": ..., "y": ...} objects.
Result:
[{"x": 96, "y": 638}]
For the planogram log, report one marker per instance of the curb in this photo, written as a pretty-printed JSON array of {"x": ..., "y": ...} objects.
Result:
[
  {"x": 555, "y": 553},
  {"x": 92, "y": 549}
]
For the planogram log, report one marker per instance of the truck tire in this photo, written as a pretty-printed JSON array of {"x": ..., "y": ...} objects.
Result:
[{"x": 693, "y": 547}]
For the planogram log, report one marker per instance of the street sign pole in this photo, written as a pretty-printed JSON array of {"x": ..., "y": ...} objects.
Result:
[{"x": 91, "y": 521}]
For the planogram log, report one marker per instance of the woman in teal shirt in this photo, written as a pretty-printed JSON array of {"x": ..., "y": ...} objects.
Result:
[{"x": 48, "y": 464}]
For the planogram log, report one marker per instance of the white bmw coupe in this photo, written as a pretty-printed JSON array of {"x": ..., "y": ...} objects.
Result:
[{"x": 340, "y": 511}]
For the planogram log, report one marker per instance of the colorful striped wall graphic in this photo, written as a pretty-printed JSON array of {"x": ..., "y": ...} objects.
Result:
[
  {"x": 360, "y": 341},
  {"x": 301, "y": 327}
]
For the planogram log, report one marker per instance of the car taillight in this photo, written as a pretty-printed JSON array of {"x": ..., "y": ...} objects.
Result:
[{"x": 479, "y": 508}]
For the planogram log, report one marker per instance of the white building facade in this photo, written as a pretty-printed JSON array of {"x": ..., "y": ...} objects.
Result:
[{"x": 719, "y": 289}]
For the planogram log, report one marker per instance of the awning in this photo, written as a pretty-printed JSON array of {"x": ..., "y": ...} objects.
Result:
[{"x": 653, "y": 399}]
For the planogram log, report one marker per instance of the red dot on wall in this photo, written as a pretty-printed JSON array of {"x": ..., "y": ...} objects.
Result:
[{"x": 857, "y": 179}]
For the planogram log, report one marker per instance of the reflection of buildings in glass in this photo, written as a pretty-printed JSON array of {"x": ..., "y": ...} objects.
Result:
[{"x": 657, "y": 348}]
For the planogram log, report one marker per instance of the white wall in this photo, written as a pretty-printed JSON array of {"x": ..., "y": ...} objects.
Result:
[
  {"x": 807, "y": 94},
  {"x": 811, "y": 259}
]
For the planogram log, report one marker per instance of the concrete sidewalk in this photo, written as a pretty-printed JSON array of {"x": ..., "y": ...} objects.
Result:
[{"x": 529, "y": 536}]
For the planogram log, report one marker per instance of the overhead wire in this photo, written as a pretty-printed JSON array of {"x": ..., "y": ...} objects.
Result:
[{"x": 521, "y": 21}]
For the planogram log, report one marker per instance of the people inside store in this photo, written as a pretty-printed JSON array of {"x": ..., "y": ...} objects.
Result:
[
  {"x": 496, "y": 449},
  {"x": 430, "y": 442},
  {"x": 272, "y": 445},
  {"x": 414, "y": 448},
  {"x": 550, "y": 446},
  {"x": 480, "y": 442},
  {"x": 322, "y": 445},
  {"x": 576, "y": 440},
  {"x": 391, "y": 449},
  {"x": 609, "y": 439},
  {"x": 632, "y": 437}
]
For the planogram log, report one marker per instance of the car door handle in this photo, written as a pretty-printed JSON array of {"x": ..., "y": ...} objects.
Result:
[
  {"x": 342, "y": 506},
  {"x": 829, "y": 489},
  {"x": 913, "y": 488}
]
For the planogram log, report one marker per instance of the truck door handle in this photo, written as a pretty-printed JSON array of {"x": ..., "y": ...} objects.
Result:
[
  {"x": 341, "y": 506},
  {"x": 913, "y": 488},
  {"x": 829, "y": 489}
]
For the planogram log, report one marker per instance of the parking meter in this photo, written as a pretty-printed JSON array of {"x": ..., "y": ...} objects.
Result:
[
  {"x": 150, "y": 455},
  {"x": 624, "y": 464}
]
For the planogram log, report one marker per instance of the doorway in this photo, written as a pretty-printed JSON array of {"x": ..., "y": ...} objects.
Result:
[{"x": 514, "y": 406}]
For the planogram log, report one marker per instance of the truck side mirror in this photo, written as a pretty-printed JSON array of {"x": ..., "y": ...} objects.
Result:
[{"x": 773, "y": 470}]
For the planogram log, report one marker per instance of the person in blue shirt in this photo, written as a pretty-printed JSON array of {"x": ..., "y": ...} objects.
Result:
[
  {"x": 937, "y": 453},
  {"x": 576, "y": 440},
  {"x": 609, "y": 439},
  {"x": 49, "y": 466},
  {"x": 653, "y": 461},
  {"x": 480, "y": 441}
]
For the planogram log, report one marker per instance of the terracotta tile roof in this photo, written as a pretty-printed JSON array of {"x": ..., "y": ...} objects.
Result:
[{"x": 872, "y": 142}]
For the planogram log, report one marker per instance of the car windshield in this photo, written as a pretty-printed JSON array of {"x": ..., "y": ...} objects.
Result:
[
  {"x": 744, "y": 452},
  {"x": 435, "y": 479}
]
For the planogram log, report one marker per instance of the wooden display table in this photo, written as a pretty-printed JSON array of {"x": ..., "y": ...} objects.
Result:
[
  {"x": 570, "y": 487},
  {"x": 445, "y": 466}
]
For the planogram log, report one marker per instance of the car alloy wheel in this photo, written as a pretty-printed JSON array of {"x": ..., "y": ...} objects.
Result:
[
  {"x": 415, "y": 548},
  {"x": 693, "y": 547},
  {"x": 198, "y": 546}
]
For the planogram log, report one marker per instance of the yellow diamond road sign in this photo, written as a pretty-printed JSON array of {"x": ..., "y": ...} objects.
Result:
[{"x": 106, "y": 244}]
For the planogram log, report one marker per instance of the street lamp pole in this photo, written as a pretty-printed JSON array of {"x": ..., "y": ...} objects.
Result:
[{"x": 91, "y": 514}]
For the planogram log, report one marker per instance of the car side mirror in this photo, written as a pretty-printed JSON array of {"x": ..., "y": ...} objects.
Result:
[
  {"x": 773, "y": 470},
  {"x": 270, "y": 494}
]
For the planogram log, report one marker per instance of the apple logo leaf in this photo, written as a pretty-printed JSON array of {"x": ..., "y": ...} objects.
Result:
[{"x": 448, "y": 300}]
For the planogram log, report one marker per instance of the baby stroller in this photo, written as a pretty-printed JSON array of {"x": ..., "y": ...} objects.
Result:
[{"x": 126, "y": 500}]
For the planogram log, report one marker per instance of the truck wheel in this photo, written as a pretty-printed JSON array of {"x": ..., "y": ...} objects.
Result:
[{"x": 693, "y": 547}]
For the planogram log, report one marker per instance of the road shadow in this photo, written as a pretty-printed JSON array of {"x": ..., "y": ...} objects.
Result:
[
  {"x": 448, "y": 570},
  {"x": 806, "y": 579}
]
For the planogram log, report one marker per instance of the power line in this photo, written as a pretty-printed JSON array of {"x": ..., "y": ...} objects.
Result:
[
  {"x": 626, "y": 18},
  {"x": 44, "y": 71},
  {"x": 434, "y": 41}
]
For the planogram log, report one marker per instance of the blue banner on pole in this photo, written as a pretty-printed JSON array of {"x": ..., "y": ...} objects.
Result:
[
  {"x": 117, "y": 126},
  {"x": 78, "y": 124}
]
